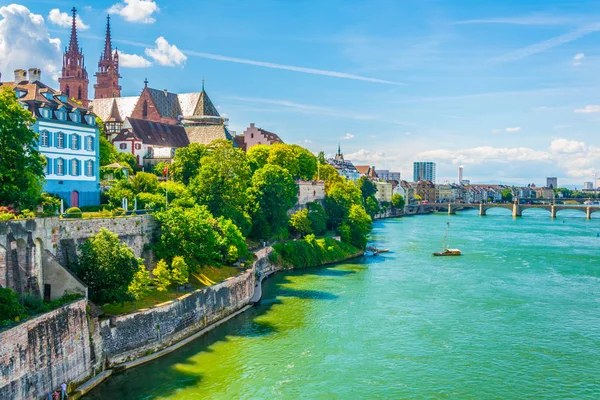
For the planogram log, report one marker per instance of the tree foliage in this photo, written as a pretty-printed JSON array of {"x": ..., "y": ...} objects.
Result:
[
  {"x": 139, "y": 286},
  {"x": 367, "y": 188},
  {"x": 507, "y": 195},
  {"x": 162, "y": 276},
  {"x": 107, "y": 267},
  {"x": 398, "y": 201},
  {"x": 258, "y": 156},
  {"x": 108, "y": 152},
  {"x": 359, "y": 223},
  {"x": 372, "y": 206},
  {"x": 10, "y": 308},
  {"x": 21, "y": 164},
  {"x": 300, "y": 223},
  {"x": 339, "y": 198},
  {"x": 318, "y": 218},
  {"x": 128, "y": 159},
  {"x": 187, "y": 162},
  {"x": 179, "y": 271},
  {"x": 272, "y": 192}
]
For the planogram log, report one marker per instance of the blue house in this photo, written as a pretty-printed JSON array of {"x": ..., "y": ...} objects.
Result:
[{"x": 68, "y": 139}]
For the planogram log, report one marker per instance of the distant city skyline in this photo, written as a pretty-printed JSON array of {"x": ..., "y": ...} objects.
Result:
[{"x": 506, "y": 89}]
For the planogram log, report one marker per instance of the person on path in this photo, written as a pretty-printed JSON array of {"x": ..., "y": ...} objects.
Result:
[
  {"x": 63, "y": 391},
  {"x": 55, "y": 395}
]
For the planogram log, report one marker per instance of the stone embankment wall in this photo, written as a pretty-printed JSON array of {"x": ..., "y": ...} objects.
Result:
[
  {"x": 133, "y": 335},
  {"x": 41, "y": 353}
]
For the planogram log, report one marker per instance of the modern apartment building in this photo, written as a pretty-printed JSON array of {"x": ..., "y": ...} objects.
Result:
[{"x": 424, "y": 171}]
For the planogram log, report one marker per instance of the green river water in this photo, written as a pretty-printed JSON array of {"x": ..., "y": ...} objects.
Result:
[{"x": 517, "y": 316}]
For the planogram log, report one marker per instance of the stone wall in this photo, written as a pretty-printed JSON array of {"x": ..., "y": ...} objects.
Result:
[
  {"x": 41, "y": 353},
  {"x": 133, "y": 335},
  {"x": 23, "y": 244}
]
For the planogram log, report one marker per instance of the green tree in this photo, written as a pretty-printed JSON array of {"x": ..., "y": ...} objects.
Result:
[
  {"x": 507, "y": 195},
  {"x": 179, "y": 271},
  {"x": 318, "y": 218},
  {"x": 186, "y": 162},
  {"x": 159, "y": 168},
  {"x": 10, "y": 308},
  {"x": 21, "y": 164},
  {"x": 129, "y": 160},
  {"x": 222, "y": 181},
  {"x": 258, "y": 156},
  {"x": 177, "y": 192},
  {"x": 321, "y": 158},
  {"x": 139, "y": 286},
  {"x": 143, "y": 182},
  {"x": 339, "y": 198},
  {"x": 107, "y": 267},
  {"x": 232, "y": 244},
  {"x": 301, "y": 223},
  {"x": 329, "y": 175},
  {"x": 367, "y": 188},
  {"x": 360, "y": 226},
  {"x": 190, "y": 233},
  {"x": 285, "y": 156},
  {"x": 272, "y": 192},
  {"x": 108, "y": 152},
  {"x": 162, "y": 276},
  {"x": 372, "y": 206},
  {"x": 398, "y": 201},
  {"x": 307, "y": 162}
]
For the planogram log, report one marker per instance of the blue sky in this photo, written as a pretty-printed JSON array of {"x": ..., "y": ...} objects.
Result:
[{"x": 508, "y": 89}]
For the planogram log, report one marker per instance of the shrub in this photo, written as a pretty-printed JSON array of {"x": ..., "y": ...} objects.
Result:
[
  {"x": 311, "y": 252},
  {"x": 162, "y": 276},
  {"x": 26, "y": 214},
  {"x": 138, "y": 287},
  {"x": 4, "y": 216},
  {"x": 179, "y": 271},
  {"x": 73, "y": 212}
]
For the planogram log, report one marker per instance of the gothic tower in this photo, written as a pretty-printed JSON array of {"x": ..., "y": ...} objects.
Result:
[
  {"x": 74, "y": 80},
  {"x": 107, "y": 77}
]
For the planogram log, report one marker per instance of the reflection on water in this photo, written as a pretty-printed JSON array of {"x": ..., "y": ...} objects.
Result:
[{"x": 514, "y": 317}]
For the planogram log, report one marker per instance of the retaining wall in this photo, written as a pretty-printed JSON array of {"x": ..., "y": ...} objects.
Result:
[{"x": 41, "y": 353}]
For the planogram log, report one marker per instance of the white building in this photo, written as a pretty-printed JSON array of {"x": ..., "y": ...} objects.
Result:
[
  {"x": 386, "y": 175},
  {"x": 310, "y": 191},
  {"x": 384, "y": 192}
]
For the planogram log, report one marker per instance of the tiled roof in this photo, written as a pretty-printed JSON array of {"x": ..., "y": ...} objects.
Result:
[
  {"x": 114, "y": 115},
  {"x": 125, "y": 105},
  {"x": 271, "y": 137},
  {"x": 154, "y": 133},
  {"x": 204, "y": 134},
  {"x": 366, "y": 170},
  {"x": 167, "y": 103},
  {"x": 239, "y": 142},
  {"x": 204, "y": 107}
]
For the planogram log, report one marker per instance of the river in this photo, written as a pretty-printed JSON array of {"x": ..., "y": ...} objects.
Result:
[{"x": 517, "y": 316}]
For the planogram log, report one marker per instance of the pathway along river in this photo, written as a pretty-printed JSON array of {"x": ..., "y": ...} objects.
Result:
[{"x": 517, "y": 316}]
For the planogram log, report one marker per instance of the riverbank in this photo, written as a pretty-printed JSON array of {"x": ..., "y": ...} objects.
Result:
[{"x": 268, "y": 261}]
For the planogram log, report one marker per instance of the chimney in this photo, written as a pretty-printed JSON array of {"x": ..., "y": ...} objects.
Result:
[
  {"x": 20, "y": 75},
  {"x": 165, "y": 90},
  {"x": 35, "y": 74}
]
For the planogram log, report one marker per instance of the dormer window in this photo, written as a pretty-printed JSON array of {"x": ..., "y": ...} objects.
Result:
[
  {"x": 48, "y": 95},
  {"x": 45, "y": 112},
  {"x": 20, "y": 93},
  {"x": 75, "y": 117},
  {"x": 90, "y": 120},
  {"x": 63, "y": 98},
  {"x": 60, "y": 114}
]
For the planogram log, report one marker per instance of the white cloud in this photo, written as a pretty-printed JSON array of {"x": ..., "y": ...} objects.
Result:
[
  {"x": 372, "y": 136},
  {"x": 565, "y": 146},
  {"x": 165, "y": 53},
  {"x": 588, "y": 109},
  {"x": 527, "y": 20},
  {"x": 368, "y": 157},
  {"x": 348, "y": 136},
  {"x": 574, "y": 159},
  {"x": 307, "y": 141},
  {"x": 65, "y": 20},
  {"x": 514, "y": 129},
  {"x": 136, "y": 10},
  {"x": 408, "y": 133},
  {"x": 577, "y": 59},
  {"x": 26, "y": 43},
  {"x": 548, "y": 44},
  {"x": 133, "y": 61}
]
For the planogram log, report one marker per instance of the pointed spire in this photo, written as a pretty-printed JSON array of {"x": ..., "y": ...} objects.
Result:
[
  {"x": 107, "y": 41},
  {"x": 203, "y": 84},
  {"x": 339, "y": 150},
  {"x": 73, "y": 43},
  {"x": 146, "y": 82}
]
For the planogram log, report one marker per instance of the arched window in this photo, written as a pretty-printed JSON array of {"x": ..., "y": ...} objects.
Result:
[
  {"x": 60, "y": 140},
  {"x": 68, "y": 91},
  {"x": 90, "y": 168},
  {"x": 60, "y": 166},
  {"x": 145, "y": 109},
  {"x": 45, "y": 139},
  {"x": 74, "y": 167},
  {"x": 123, "y": 146},
  {"x": 79, "y": 93},
  {"x": 252, "y": 136}
]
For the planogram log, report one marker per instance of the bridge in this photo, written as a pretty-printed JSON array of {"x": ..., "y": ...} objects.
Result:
[{"x": 516, "y": 208}]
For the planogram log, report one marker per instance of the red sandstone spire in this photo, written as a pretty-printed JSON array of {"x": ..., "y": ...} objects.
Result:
[
  {"x": 107, "y": 77},
  {"x": 74, "y": 80}
]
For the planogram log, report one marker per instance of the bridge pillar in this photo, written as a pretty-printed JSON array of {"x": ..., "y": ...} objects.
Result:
[
  {"x": 553, "y": 212},
  {"x": 588, "y": 212},
  {"x": 451, "y": 210},
  {"x": 516, "y": 210},
  {"x": 482, "y": 210}
]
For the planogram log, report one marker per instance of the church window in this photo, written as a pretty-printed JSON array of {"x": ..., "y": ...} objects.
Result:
[
  {"x": 145, "y": 109},
  {"x": 68, "y": 91},
  {"x": 79, "y": 93}
]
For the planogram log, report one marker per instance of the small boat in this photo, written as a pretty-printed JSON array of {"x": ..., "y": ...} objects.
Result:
[
  {"x": 369, "y": 253},
  {"x": 446, "y": 252}
]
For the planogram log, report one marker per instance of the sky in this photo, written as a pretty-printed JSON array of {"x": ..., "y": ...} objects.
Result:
[{"x": 510, "y": 89}]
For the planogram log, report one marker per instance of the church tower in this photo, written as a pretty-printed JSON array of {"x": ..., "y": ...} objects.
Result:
[
  {"x": 74, "y": 80},
  {"x": 107, "y": 77}
]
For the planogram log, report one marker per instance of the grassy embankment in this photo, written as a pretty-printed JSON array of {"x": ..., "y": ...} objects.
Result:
[
  {"x": 206, "y": 276},
  {"x": 312, "y": 252}
]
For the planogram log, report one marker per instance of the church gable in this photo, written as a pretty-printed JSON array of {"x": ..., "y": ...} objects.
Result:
[{"x": 151, "y": 107}]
